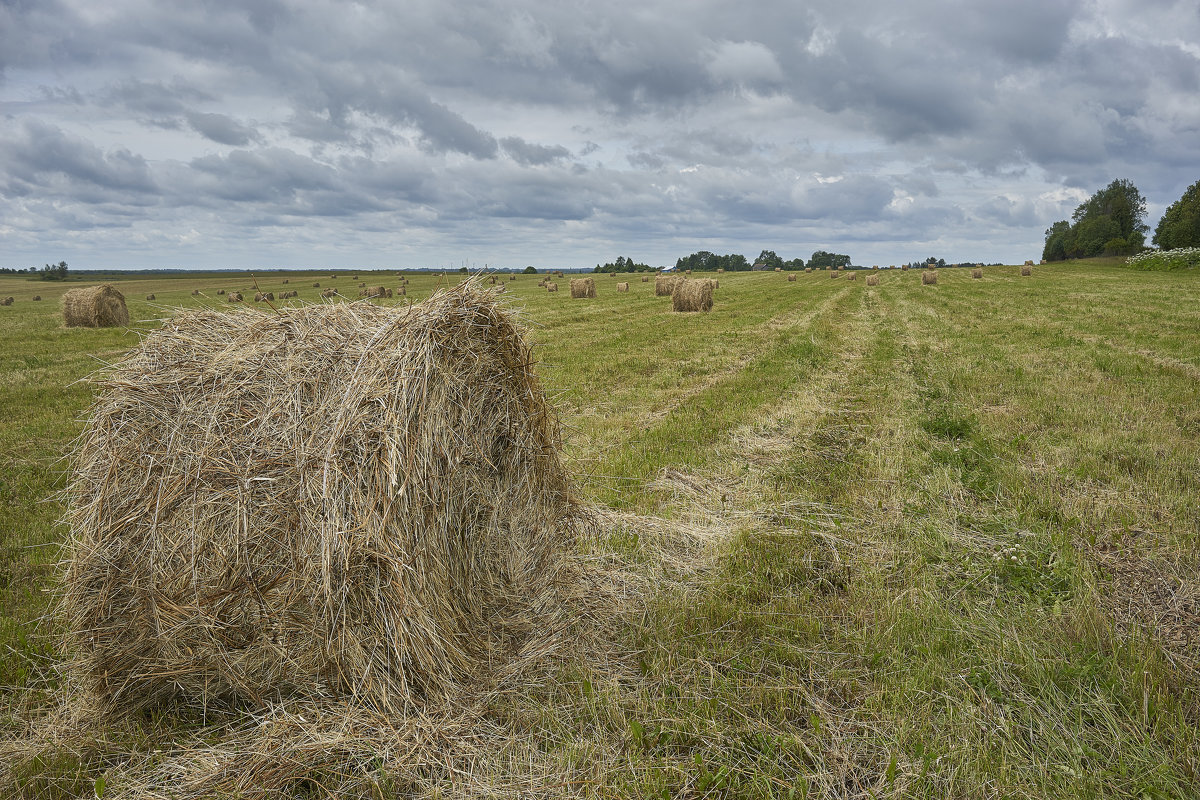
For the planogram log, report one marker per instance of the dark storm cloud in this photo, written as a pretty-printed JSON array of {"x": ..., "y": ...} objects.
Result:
[{"x": 839, "y": 122}]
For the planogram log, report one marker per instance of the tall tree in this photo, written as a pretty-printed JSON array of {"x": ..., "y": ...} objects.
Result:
[
  {"x": 1112, "y": 221},
  {"x": 1180, "y": 224}
]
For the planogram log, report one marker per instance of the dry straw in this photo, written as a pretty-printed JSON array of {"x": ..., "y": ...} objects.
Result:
[
  {"x": 872, "y": 280},
  {"x": 583, "y": 287},
  {"x": 623, "y": 287},
  {"x": 976, "y": 273},
  {"x": 95, "y": 307},
  {"x": 692, "y": 296},
  {"x": 664, "y": 285},
  {"x": 332, "y": 501},
  {"x": 928, "y": 277},
  {"x": 1027, "y": 270}
]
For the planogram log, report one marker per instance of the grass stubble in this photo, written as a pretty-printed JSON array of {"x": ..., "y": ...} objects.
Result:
[{"x": 860, "y": 541}]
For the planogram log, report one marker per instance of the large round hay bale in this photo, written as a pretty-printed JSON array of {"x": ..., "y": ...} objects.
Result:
[
  {"x": 692, "y": 296},
  {"x": 95, "y": 307},
  {"x": 234, "y": 297},
  {"x": 8, "y": 301},
  {"x": 375, "y": 291},
  {"x": 346, "y": 500},
  {"x": 645, "y": 279},
  {"x": 720, "y": 270},
  {"x": 977, "y": 273},
  {"x": 1027, "y": 270},
  {"x": 551, "y": 287},
  {"x": 330, "y": 292},
  {"x": 195, "y": 292},
  {"x": 872, "y": 280},
  {"x": 850, "y": 276},
  {"x": 928, "y": 277},
  {"x": 1029, "y": 262},
  {"x": 401, "y": 291},
  {"x": 623, "y": 286},
  {"x": 150, "y": 297},
  {"x": 664, "y": 285},
  {"x": 583, "y": 287},
  {"x": 317, "y": 285},
  {"x": 833, "y": 273},
  {"x": 37, "y": 297},
  {"x": 904, "y": 267},
  {"x": 220, "y": 291},
  {"x": 807, "y": 270},
  {"x": 791, "y": 277}
]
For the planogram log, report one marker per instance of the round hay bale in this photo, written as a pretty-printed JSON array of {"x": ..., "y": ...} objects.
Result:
[
  {"x": 349, "y": 501},
  {"x": 928, "y": 277},
  {"x": 807, "y": 270},
  {"x": 904, "y": 267},
  {"x": 402, "y": 291},
  {"x": 95, "y": 307},
  {"x": 259, "y": 297},
  {"x": 149, "y": 297},
  {"x": 623, "y": 287},
  {"x": 329, "y": 292},
  {"x": 220, "y": 291},
  {"x": 833, "y": 273},
  {"x": 375, "y": 291},
  {"x": 779, "y": 269},
  {"x": 645, "y": 279},
  {"x": 692, "y": 296},
  {"x": 583, "y": 287},
  {"x": 791, "y": 278},
  {"x": 687, "y": 272},
  {"x": 316, "y": 285},
  {"x": 664, "y": 285},
  {"x": 720, "y": 270},
  {"x": 850, "y": 276},
  {"x": 977, "y": 273},
  {"x": 195, "y": 292},
  {"x": 8, "y": 301},
  {"x": 1026, "y": 270},
  {"x": 1029, "y": 262},
  {"x": 512, "y": 277},
  {"x": 285, "y": 280},
  {"x": 234, "y": 297},
  {"x": 37, "y": 297},
  {"x": 872, "y": 280},
  {"x": 551, "y": 287}
]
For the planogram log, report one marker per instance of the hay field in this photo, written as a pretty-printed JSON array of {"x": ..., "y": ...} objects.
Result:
[{"x": 950, "y": 545}]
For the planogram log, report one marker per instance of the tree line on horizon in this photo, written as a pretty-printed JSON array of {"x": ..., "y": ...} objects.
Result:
[{"x": 1112, "y": 222}]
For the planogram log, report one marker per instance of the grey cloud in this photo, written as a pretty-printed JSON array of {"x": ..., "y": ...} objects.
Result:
[
  {"x": 531, "y": 154},
  {"x": 38, "y": 153},
  {"x": 222, "y": 129}
]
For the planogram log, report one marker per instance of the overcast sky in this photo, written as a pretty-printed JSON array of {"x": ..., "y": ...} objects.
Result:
[{"x": 234, "y": 133}]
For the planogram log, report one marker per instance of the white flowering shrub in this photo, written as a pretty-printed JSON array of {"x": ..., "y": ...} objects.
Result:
[{"x": 1179, "y": 258}]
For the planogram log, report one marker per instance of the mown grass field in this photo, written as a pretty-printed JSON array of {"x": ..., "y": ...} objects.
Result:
[{"x": 956, "y": 528}]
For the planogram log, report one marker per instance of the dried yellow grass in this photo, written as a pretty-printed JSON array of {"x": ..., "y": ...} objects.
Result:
[
  {"x": 95, "y": 307},
  {"x": 692, "y": 296},
  {"x": 583, "y": 287},
  {"x": 346, "y": 501},
  {"x": 664, "y": 285}
]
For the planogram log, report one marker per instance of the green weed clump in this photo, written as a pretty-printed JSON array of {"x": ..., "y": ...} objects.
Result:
[{"x": 1165, "y": 260}]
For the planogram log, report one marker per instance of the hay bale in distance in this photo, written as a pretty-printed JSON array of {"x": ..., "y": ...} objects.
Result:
[
  {"x": 791, "y": 277},
  {"x": 720, "y": 270},
  {"x": 623, "y": 286},
  {"x": 317, "y": 285},
  {"x": 807, "y": 270},
  {"x": 37, "y": 297},
  {"x": 1026, "y": 270},
  {"x": 850, "y": 276},
  {"x": 330, "y": 292},
  {"x": 95, "y": 307},
  {"x": 220, "y": 291},
  {"x": 512, "y": 277},
  {"x": 376, "y": 291},
  {"x": 664, "y": 285},
  {"x": 977, "y": 273},
  {"x": 415, "y": 518},
  {"x": 234, "y": 297},
  {"x": 904, "y": 267},
  {"x": 872, "y": 280},
  {"x": 551, "y": 287},
  {"x": 149, "y": 297},
  {"x": 583, "y": 287},
  {"x": 8, "y": 301},
  {"x": 833, "y": 273},
  {"x": 401, "y": 291},
  {"x": 692, "y": 296},
  {"x": 928, "y": 277},
  {"x": 645, "y": 279},
  {"x": 1029, "y": 262},
  {"x": 195, "y": 292}
]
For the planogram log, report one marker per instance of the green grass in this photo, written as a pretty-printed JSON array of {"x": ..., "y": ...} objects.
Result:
[{"x": 937, "y": 496}]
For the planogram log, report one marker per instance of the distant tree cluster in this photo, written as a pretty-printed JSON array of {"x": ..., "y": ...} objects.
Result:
[
  {"x": 623, "y": 264},
  {"x": 821, "y": 259},
  {"x": 1180, "y": 224},
  {"x": 1110, "y": 222},
  {"x": 704, "y": 261},
  {"x": 54, "y": 272}
]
